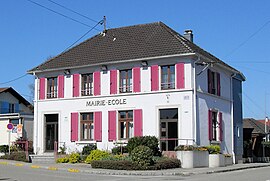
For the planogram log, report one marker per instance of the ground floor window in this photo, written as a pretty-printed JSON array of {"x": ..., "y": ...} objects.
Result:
[
  {"x": 87, "y": 126},
  {"x": 125, "y": 122},
  {"x": 215, "y": 126}
]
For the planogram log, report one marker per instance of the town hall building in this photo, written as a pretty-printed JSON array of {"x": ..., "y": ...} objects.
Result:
[{"x": 133, "y": 81}]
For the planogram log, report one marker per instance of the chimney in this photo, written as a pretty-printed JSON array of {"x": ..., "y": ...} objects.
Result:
[{"x": 188, "y": 35}]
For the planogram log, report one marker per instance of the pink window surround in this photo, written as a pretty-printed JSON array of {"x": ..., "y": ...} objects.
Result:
[
  {"x": 138, "y": 130},
  {"x": 113, "y": 81},
  {"x": 220, "y": 127},
  {"x": 76, "y": 85},
  {"x": 96, "y": 83},
  {"x": 98, "y": 126},
  {"x": 112, "y": 126},
  {"x": 74, "y": 126},
  {"x": 42, "y": 88},
  {"x": 180, "y": 76},
  {"x": 136, "y": 79},
  {"x": 210, "y": 130},
  {"x": 61, "y": 83},
  {"x": 154, "y": 78}
]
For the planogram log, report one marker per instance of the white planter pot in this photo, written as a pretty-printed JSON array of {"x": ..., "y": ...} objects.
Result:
[
  {"x": 216, "y": 160},
  {"x": 193, "y": 159},
  {"x": 228, "y": 161}
]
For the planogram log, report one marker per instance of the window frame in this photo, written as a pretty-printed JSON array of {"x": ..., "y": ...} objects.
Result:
[
  {"x": 11, "y": 108},
  {"x": 128, "y": 87},
  {"x": 52, "y": 89},
  {"x": 90, "y": 84},
  {"x": 214, "y": 83},
  {"x": 168, "y": 84},
  {"x": 126, "y": 130},
  {"x": 89, "y": 122}
]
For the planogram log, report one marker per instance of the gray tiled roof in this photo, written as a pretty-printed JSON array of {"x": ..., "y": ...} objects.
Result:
[{"x": 126, "y": 43}]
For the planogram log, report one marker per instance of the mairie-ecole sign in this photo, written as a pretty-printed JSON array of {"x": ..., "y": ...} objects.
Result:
[{"x": 108, "y": 102}]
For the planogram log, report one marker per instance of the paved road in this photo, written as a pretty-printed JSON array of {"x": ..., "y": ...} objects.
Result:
[{"x": 17, "y": 173}]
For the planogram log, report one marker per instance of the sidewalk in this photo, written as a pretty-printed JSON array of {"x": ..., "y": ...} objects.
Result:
[{"x": 85, "y": 168}]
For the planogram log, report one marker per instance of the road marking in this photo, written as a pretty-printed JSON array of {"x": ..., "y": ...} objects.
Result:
[
  {"x": 52, "y": 168},
  {"x": 73, "y": 170},
  {"x": 3, "y": 163},
  {"x": 18, "y": 164},
  {"x": 35, "y": 166}
]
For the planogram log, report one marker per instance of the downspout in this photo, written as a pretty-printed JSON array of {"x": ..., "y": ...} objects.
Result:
[
  {"x": 232, "y": 120},
  {"x": 36, "y": 114},
  {"x": 195, "y": 100}
]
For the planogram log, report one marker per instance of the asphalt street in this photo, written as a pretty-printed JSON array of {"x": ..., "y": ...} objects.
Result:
[{"x": 19, "y": 173}]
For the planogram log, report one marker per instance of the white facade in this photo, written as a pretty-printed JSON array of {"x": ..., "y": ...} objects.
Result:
[{"x": 192, "y": 121}]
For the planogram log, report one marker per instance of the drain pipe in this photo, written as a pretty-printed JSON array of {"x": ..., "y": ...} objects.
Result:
[{"x": 36, "y": 114}]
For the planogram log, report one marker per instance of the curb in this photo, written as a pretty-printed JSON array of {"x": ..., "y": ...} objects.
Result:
[{"x": 135, "y": 173}]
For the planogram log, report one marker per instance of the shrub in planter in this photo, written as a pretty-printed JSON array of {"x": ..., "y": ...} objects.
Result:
[
  {"x": 149, "y": 141},
  {"x": 119, "y": 150},
  {"x": 213, "y": 149},
  {"x": 88, "y": 148},
  {"x": 142, "y": 156},
  {"x": 74, "y": 158},
  {"x": 96, "y": 155}
]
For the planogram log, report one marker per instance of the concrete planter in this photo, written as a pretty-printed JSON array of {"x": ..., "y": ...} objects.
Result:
[
  {"x": 193, "y": 159},
  {"x": 216, "y": 160},
  {"x": 228, "y": 161}
]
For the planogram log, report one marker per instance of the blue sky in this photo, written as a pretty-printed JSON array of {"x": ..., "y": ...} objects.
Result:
[{"x": 237, "y": 32}]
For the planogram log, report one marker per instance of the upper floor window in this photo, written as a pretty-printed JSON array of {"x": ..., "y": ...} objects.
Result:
[
  {"x": 125, "y": 124},
  {"x": 11, "y": 108},
  {"x": 167, "y": 77},
  {"x": 125, "y": 81},
  {"x": 87, "y": 126},
  {"x": 52, "y": 87},
  {"x": 213, "y": 82},
  {"x": 87, "y": 85}
]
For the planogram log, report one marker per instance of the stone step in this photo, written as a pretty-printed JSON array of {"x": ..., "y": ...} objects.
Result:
[{"x": 36, "y": 159}]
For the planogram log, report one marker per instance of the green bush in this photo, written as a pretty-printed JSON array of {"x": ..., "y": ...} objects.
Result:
[
  {"x": 88, "y": 148},
  {"x": 74, "y": 158},
  {"x": 117, "y": 157},
  {"x": 62, "y": 160},
  {"x": 142, "y": 156},
  {"x": 213, "y": 149},
  {"x": 3, "y": 149},
  {"x": 96, "y": 155},
  {"x": 119, "y": 150},
  {"x": 149, "y": 141},
  {"x": 18, "y": 156},
  {"x": 163, "y": 163}
]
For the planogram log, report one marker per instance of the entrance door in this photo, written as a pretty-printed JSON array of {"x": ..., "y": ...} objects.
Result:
[
  {"x": 51, "y": 128},
  {"x": 168, "y": 129}
]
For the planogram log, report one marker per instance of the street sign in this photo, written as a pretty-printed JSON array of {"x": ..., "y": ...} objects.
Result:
[{"x": 9, "y": 126}]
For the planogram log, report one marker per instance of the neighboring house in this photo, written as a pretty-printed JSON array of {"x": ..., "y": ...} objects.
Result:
[
  {"x": 137, "y": 80},
  {"x": 18, "y": 111},
  {"x": 254, "y": 135}
]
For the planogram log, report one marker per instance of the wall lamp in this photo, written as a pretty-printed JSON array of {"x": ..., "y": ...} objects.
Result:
[
  {"x": 104, "y": 68},
  {"x": 144, "y": 63},
  {"x": 67, "y": 72}
]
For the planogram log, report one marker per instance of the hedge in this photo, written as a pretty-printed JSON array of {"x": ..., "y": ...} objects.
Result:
[{"x": 160, "y": 164}]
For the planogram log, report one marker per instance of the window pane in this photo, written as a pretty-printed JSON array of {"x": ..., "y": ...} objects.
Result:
[
  {"x": 122, "y": 114},
  {"x": 130, "y": 130},
  {"x": 122, "y": 130},
  {"x": 92, "y": 131},
  {"x": 84, "y": 131},
  {"x": 130, "y": 114}
]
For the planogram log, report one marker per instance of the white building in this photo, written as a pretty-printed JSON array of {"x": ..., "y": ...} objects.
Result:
[
  {"x": 137, "y": 80},
  {"x": 18, "y": 111}
]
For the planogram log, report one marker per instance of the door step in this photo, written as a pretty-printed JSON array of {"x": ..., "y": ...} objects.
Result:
[{"x": 36, "y": 159}]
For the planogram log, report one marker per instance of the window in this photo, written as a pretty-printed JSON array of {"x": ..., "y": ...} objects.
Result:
[
  {"x": 125, "y": 124},
  {"x": 214, "y": 126},
  {"x": 125, "y": 81},
  {"x": 87, "y": 85},
  {"x": 87, "y": 126},
  {"x": 11, "y": 108},
  {"x": 167, "y": 77},
  {"x": 52, "y": 87},
  {"x": 213, "y": 82}
]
